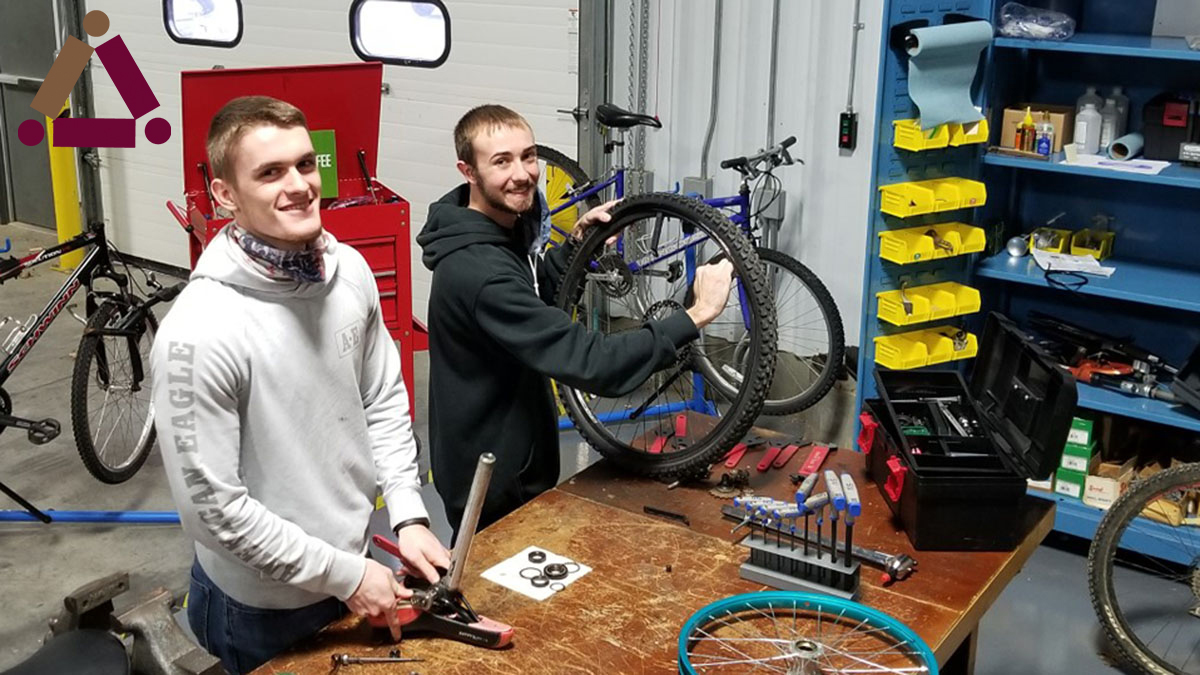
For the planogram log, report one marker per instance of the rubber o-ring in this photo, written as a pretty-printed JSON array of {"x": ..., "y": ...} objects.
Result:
[
  {"x": 539, "y": 581},
  {"x": 556, "y": 587},
  {"x": 537, "y": 556},
  {"x": 536, "y": 572},
  {"x": 555, "y": 571},
  {"x": 572, "y": 571}
]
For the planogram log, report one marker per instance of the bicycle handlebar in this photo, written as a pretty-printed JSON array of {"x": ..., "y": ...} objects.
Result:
[{"x": 776, "y": 154}]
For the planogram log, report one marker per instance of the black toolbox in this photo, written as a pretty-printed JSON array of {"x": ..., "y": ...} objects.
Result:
[{"x": 956, "y": 492}]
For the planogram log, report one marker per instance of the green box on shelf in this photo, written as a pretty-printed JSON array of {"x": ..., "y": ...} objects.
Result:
[
  {"x": 1076, "y": 457},
  {"x": 1081, "y": 432},
  {"x": 1070, "y": 483}
]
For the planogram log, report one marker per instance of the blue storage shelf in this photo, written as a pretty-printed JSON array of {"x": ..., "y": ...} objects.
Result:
[
  {"x": 1133, "y": 281},
  {"x": 1175, "y": 175},
  {"x": 1139, "y": 407},
  {"x": 1143, "y": 535},
  {"x": 1113, "y": 44}
]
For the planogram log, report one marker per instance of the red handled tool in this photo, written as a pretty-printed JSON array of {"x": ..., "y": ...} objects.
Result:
[
  {"x": 785, "y": 455},
  {"x": 816, "y": 458},
  {"x": 772, "y": 453},
  {"x": 735, "y": 455},
  {"x": 441, "y": 608}
]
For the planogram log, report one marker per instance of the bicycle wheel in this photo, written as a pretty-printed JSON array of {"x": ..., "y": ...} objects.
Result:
[
  {"x": 802, "y": 633},
  {"x": 1150, "y": 607},
  {"x": 811, "y": 344},
  {"x": 645, "y": 276},
  {"x": 111, "y": 413},
  {"x": 561, "y": 177}
]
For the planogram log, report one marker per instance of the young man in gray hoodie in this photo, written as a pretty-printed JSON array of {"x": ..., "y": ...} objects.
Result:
[{"x": 281, "y": 408}]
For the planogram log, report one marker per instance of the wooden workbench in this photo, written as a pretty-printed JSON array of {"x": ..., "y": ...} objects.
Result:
[{"x": 649, "y": 575}]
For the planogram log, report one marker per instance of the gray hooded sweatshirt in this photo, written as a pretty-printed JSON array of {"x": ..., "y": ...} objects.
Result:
[{"x": 281, "y": 412}]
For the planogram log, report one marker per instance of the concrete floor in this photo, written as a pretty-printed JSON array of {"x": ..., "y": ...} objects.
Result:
[{"x": 1043, "y": 623}]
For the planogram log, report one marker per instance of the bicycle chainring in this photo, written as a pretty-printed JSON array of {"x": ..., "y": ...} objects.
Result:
[
  {"x": 613, "y": 276},
  {"x": 5, "y": 407}
]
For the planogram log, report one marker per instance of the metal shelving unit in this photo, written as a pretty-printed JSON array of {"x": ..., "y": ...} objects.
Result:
[{"x": 1152, "y": 278}]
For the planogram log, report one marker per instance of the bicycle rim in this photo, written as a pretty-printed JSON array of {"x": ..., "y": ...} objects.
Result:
[
  {"x": 1150, "y": 606},
  {"x": 810, "y": 345},
  {"x": 615, "y": 290},
  {"x": 799, "y": 634},
  {"x": 559, "y": 178}
]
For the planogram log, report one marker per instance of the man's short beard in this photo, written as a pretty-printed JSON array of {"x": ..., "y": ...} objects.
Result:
[{"x": 497, "y": 202}]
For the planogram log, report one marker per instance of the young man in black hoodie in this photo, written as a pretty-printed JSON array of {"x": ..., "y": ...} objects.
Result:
[{"x": 495, "y": 336}]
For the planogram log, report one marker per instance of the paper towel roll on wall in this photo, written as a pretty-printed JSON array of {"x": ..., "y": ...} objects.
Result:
[{"x": 942, "y": 64}]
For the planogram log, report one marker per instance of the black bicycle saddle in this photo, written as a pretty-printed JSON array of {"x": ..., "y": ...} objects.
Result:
[
  {"x": 79, "y": 652},
  {"x": 611, "y": 116}
]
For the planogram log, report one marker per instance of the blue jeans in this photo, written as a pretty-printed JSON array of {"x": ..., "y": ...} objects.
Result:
[{"x": 245, "y": 637}]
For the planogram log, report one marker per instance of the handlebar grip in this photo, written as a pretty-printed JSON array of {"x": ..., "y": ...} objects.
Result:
[
  {"x": 170, "y": 293},
  {"x": 736, "y": 161},
  {"x": 788, "y": 142}
]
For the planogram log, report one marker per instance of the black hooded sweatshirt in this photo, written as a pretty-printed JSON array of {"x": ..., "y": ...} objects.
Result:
[{"x": 494, "y": 344}]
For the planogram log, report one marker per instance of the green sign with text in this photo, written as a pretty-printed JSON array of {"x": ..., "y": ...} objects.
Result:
[{"x": 325, "y": 146}]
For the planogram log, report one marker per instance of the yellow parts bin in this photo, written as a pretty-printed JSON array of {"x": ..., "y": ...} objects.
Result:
[
  {"x": 967, "y": 134},
  {"x": 1094, "y": 243},
  {"x": 932, "y": 302},
  {"x": 927, "y": 347},
  {"x": 1051, "y": 239},
  {"x": 908, "y": 135},
  {"x": 931, "y": 196},
  {"x": 929, "y": 242}
]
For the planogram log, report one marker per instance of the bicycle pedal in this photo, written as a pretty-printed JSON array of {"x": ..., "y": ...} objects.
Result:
[{"x": 41, "y": 433}]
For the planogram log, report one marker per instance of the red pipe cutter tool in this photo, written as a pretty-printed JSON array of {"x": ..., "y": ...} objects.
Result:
[{"x": 441, "y": 608}]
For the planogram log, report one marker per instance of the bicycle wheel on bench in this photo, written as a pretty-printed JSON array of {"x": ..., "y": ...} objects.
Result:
[
  {"x": 1150, "y": 606},
  {"x": 111, "y": 410},
  {"x": 811, "y": 344},
  {"x": 617, "y": 288}
]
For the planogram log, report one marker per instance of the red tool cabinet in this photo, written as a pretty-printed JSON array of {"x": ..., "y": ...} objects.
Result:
[{"x": 344, "y": 98}]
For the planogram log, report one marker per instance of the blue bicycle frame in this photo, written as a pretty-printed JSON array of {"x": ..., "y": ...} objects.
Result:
[{"x": 741, "y": 218}]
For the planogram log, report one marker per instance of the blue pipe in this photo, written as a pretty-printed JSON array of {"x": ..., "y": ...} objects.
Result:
[{"x": 139, "y": 517}]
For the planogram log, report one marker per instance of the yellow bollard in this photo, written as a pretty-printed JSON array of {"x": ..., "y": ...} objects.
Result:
[{"x": 67, "y": 217}]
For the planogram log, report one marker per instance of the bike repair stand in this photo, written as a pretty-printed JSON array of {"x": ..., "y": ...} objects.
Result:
[
  {"x": 779, "y": 560},
  {"x": 30, "y": 510}
]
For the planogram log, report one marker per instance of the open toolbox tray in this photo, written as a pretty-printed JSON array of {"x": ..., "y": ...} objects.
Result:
[{"x": 955, "y": 492}]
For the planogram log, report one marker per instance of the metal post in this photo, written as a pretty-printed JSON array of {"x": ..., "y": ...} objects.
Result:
[
  {"x": 470, "y": 520},
  {"x": 595, "y": 66}
]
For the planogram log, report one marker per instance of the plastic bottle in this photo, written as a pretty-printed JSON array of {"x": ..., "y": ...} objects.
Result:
[
  {"x": 1026, "y": 133},
  {"x": 1118, "y": 95},
  {"x": 1044, "y": 145},
  {"x": 1090, "y": 97},
  {"x": 1087, "y": 130},
  {"x": 1110, "y": 118}
]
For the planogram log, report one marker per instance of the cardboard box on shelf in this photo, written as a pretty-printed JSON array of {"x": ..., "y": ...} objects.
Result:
[
  {"x": 1076, "y": 457},
  {"x": 1043, "y": 485},
  {"x": 1061, "y": 116},
  {"x": 1069, "y": 483},
  {"x": 1106, "y": 481},
  {"x": 1081, "y": 431}
]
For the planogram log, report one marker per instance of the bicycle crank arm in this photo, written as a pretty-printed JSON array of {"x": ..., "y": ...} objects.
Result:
[{"x": 40, "y": 433}]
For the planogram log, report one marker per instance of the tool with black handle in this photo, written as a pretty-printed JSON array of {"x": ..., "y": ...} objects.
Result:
[
  {"x": 837, "y": 504},
  {"x": 802, "y": 493},
  {"x": 853, "y": 511},
  {"x": 441, "y": 608},
  {"x": 816, "y": 504}
]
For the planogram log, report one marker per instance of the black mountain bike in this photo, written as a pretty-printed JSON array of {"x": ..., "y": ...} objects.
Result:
[{"x": 111, "y": 412}]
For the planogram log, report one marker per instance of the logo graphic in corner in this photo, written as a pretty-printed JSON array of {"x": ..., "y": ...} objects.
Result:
[
  {"x": 348, "y": 339},
  {"x": 77, "y": 132}
]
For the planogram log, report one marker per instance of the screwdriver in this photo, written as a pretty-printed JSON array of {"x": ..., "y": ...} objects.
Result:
[
  {"x": 802, "y": 492},
  {"x": 837, "y": 502},
  {"x": 816, "y": 504},
  {"x": 750, "y": 504},
  {"x": 853, "y": 510},
  {"x": 783, "y": 512}
]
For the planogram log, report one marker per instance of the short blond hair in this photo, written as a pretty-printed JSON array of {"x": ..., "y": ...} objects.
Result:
[
  {"x": 488, "y": 118},
  {"x": 240, "y": 116}
]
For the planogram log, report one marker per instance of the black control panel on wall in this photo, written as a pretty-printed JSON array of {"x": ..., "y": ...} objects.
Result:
[{"x": 848, "y": 130}]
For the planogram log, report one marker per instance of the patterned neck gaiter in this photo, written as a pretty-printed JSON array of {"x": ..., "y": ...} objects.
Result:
[{"x": 304, "y": 266}]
